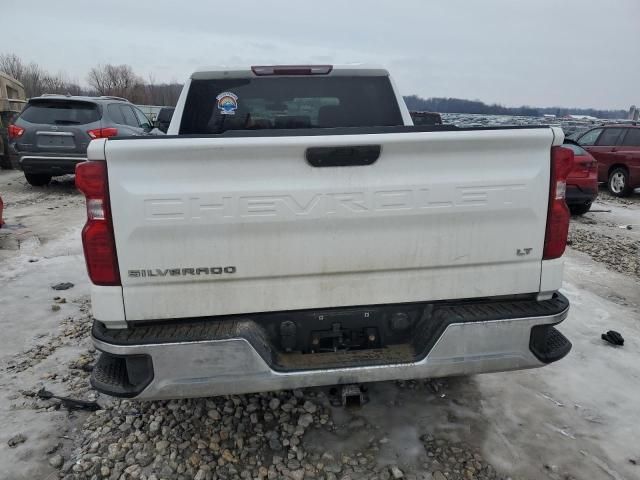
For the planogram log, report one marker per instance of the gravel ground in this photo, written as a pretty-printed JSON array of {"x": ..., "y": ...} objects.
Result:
[
  {"x": 616, "y": 251},
  {"x": 632, "y": 201},
  {"x": 250, "y": 437},
  {"x": 611, "y": 233}
]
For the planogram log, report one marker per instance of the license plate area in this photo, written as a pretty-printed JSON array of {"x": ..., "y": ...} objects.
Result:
[
  {"x": 346, "y": 330},
  {"x": 55, "y": 140}
]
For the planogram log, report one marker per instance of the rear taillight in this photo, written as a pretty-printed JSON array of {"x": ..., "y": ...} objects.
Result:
[
  {"x": 15, "y": 131},
  {"x": 587, "y": 166},
  {"x": 555, "y": 240},
  {"x": 97, "y": 235},
  {"x": 263, "y": 70},
  {"x": 103, "y": 132}
]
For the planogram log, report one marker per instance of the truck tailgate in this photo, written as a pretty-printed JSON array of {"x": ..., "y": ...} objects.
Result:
[{"x": 213, "y": 226}]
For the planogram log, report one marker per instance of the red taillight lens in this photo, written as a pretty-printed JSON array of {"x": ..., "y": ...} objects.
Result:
[
  {"x": 97, "y": 235},
  {"x": 555, "y": 240},
  {"x": 589, "y": 165},
  {"x": 103, "y": 132},
  {"x": 15, "y": 131},
  {"x": 263, "y": 70}
]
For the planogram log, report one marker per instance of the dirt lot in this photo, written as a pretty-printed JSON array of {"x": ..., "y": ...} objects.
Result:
[{"x": 577, "y": 419}]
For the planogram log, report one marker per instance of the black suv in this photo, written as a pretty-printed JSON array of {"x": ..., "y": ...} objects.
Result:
[
  {"x": 52, "y": 133},
  {"x": 164, "y": 118}
]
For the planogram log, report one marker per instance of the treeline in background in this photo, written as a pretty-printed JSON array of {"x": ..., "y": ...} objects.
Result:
[{"x": 117, "y": 80}]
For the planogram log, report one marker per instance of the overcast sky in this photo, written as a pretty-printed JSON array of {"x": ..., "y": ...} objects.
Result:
[{"x": 575, "y": 53}]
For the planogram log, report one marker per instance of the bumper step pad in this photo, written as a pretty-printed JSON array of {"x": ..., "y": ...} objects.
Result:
[
  {"x": 122, "y": 376},
  {"x": 548, "y": 344}
]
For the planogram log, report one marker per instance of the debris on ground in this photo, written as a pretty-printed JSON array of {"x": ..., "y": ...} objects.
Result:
[
  {"x": 613, "y": 338},
  {"x": 69, "y": 403},
  {"x": 16, "y": 440},
  {"x": 63, "y": 286}
]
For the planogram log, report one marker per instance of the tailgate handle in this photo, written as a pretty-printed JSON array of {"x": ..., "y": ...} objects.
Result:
[{"x": 350, "y": 156}]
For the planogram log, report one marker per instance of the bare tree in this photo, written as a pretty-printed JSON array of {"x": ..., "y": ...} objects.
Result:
[
  {"x": 29, "y": 75},
  {"x": 118, "y": 80},
  {"x": 60, "y": 84},
  {"x": 12, "y": 65},
  {"x": 150, "y": 90},
  {"x": 32, "y": 80},
  {"x": 36, "y": 80},
  {"x": 98, "y": 80}
]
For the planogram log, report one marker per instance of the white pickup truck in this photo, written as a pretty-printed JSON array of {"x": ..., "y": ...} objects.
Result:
[{"x": 295, "y": 229}]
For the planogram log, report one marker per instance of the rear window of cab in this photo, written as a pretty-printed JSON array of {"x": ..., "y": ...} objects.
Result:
[{"x": 218, "y": 105}]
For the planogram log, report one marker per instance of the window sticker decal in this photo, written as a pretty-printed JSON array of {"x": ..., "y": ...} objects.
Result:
[{"x": 227, "y": 103}]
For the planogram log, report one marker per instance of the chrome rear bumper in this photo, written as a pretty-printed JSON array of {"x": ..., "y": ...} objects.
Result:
[{"x": 234, "y": 366}]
